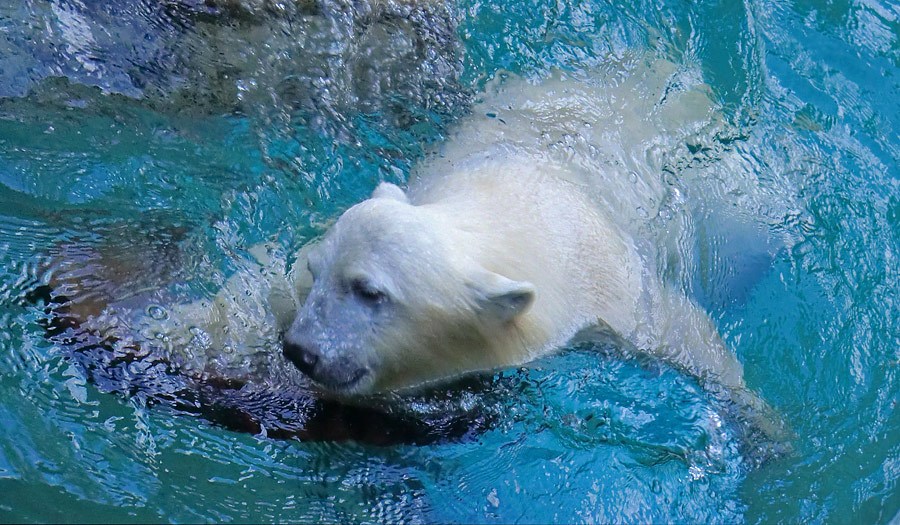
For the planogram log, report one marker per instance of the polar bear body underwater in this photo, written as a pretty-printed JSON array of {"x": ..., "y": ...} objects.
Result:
[
  {"x": 519, "y": 233},
  {"x": 532, "y": 224}
]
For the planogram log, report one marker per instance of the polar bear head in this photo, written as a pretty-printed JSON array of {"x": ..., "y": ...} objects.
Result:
[{"x": 399, "y": 298}]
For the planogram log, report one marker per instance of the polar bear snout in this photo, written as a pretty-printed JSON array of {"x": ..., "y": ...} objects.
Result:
[
  {"x": 301, "y": 355},
  {"x": 336, "y": 373}
]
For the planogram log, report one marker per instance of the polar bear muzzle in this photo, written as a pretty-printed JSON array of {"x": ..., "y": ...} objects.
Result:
[{"x": 340, "y": 374}]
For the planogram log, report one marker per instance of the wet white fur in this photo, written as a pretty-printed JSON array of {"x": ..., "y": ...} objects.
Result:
[{"x": 546, "y": 186}]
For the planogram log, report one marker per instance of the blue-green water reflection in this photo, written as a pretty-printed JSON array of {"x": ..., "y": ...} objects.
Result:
[{"x": 261, "y": 121}]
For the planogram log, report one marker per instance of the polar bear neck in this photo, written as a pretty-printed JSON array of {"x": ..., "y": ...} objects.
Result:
[{"x": 527, "y": 223}]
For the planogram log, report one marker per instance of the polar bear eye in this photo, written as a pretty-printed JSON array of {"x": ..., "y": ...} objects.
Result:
[{"x": 364, "y": 290}]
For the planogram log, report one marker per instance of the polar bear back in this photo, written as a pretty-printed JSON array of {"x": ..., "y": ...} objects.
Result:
[
  {"x": 610, "y": 130},
  {"x": 565, "y": 175}
]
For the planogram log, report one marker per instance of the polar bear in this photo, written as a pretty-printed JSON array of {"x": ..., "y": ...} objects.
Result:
[
  {"x": 538, "y": 221},
  {"x": 527, "y": 228}
]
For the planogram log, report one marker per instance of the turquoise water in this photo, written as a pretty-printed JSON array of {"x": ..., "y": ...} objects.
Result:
[{"x": 246, "y": 124}]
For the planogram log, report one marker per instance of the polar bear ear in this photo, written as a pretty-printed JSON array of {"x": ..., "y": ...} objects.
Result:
[
  {"x": 386, "y": 190},
  {"x": 500, "y": 299}
]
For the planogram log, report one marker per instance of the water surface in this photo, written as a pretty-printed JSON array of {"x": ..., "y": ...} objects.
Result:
[{"x": 239, "y": 125}]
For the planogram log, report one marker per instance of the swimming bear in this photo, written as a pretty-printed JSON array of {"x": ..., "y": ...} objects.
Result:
[{"x": 530, "y": 226}]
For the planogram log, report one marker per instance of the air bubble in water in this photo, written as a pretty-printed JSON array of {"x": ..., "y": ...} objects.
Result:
[{"x": 157, "y": 312}]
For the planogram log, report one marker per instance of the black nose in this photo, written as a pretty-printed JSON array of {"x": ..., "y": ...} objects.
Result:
[{"x": 302, "y": 356}]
